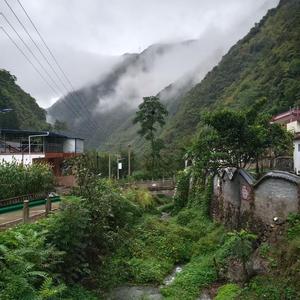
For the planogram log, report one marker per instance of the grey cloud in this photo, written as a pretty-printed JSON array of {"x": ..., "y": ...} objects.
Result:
[{"x": 87, "y": 36}]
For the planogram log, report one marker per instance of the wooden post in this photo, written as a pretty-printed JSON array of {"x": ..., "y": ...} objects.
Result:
[
  {"x": 25, "y": 211},
  {"x": 48, "y": 206}
]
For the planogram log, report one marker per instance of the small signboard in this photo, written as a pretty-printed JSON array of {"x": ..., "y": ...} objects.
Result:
[
  {"x": 245, "y": 192},
  {"x": 120, "y": 166}
]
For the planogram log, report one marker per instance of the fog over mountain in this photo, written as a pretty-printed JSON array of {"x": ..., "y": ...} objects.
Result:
[{"x": 89, "y": 37}]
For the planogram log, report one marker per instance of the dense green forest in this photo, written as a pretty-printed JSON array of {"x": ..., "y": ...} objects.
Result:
[
  {"x": 26, "y": 113},
  {"x": 264, "y": 64}
]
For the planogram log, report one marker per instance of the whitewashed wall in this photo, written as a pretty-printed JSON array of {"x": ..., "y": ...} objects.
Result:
[
  {"x": 297, "y": 157},
  {"x": 73, "y": 145},
  {"x": 79, "y": 146},
  {"x": 26, "y": 158},
  {"x": 69, "y": 145}
]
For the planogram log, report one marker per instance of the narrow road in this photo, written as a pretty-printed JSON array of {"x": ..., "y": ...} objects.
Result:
[{"x": 15, "y": 215}]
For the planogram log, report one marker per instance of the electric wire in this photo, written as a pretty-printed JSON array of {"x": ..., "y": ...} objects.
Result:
[
  {"x": 79, "y": 97},
  {"x": 93, "y": 126},
  {"x": 35, "y": 68},
  {"x": 27, "y": 58}
]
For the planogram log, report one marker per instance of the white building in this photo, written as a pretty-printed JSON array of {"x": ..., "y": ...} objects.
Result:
[
  {"x": 24, "y": 146},
  {"x": 291, "y": 120}
]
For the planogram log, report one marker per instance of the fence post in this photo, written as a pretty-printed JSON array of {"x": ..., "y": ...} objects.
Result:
[
  {"x": 48, "y": 206},
  {"x": 25, "y": 211}
]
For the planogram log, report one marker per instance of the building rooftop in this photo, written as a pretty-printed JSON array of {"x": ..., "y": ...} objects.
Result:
[
  {"x": 288, "y": 116},
  {"x": 30, "y": 132}
]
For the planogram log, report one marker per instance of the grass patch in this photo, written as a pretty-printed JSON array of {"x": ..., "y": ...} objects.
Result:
[
  {"x": 152, "y": 249},
  {"x": 229, "y": 291}
]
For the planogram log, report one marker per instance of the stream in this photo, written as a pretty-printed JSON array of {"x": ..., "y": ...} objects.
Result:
[{"x": 149, "y": 292}]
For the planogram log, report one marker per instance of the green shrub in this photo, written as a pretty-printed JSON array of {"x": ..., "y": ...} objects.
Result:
[
  {"x": 182, "y": 190},
  {"x": 294, "y": 226},
  {"x": 196, "y": 275},
  {"x": 26, "y": 264},
  {"x": 209, "y": 242},
  {"x": 141, "y": 197},
  {"x": 228, "y": 291},
  {"x": 69, "y": 232},
  {"x": 17, "y": 179},
  {"x": 148, "y": 270},
  {"x": 167, "y": 207},
  {"x": 270, "y": 288},
  {"x": 186, "y": 216},
  {"x": 141, "y": 175}
]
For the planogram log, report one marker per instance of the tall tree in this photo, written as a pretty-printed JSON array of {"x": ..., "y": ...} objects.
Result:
[
  {"x": 150, "y": 116},
  {"x": 236, "y": 139}
]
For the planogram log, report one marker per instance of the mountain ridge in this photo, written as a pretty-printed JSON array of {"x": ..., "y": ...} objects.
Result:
[{"x": 26, "y": 113}]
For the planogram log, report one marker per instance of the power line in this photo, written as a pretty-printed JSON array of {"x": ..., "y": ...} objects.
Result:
[
  {"x": 36, "y": 69},
  {"x": 52, "y": 55},
  {"x": 27, "y": 58},
  {"x": 45, "y": 58},
  {"x": 36, "y": 45},
  {"x": 28, "y": 48}
]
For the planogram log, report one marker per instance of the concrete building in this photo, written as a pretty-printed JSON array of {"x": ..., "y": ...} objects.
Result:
[
  {"x": 291, "y": 121},
  {"x": 27, "y": 147}
]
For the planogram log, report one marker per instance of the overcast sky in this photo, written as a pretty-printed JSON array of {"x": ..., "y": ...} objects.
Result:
[{"x": 88, "y": 36}]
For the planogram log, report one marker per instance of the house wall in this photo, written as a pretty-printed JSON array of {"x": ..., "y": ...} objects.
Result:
[
  {"x": 297, "y": 157},
  {"x": 240, "y": 202},
  {"x": 69, "y": 145},
  {"x": 275, "y": 197},
  {"x": 79, "y": 146},
  {"x": 19, "y": 158},
  {"x": 293, "y": 126},
  {"x": 73, "y": 145}
]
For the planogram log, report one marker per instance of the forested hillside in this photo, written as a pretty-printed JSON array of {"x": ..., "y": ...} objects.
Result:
[
  {"x": 265, "y": 63},
  {"x": 25, "y": 114}
]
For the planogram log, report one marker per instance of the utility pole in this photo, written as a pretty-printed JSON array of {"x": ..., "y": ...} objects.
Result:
[
  {"x": 118, "y": 171},
  {"x": 129, "y": 160},
  {"x": 109, "y": 166}
]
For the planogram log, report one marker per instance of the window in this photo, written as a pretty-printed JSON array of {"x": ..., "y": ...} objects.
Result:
[{"x": 298, "y": 147}]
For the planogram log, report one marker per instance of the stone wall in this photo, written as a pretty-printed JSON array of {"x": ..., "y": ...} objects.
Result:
[{"x": 240, "y": 201}]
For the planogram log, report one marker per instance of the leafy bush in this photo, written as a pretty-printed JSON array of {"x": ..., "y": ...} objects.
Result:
[
  {"x": 186, "y": 216},
  {"x": 148, "y": 270},
  {"x": 141, "y": 175},
  {"x": 26, "y": 265},
  {"x": 68, "y": 232},
  {"x": 182, "y": 190},
  {"x": 17, "y": 179},
  {"x": 270, "y": 288},
  {"x": 141, "y": 197},
  {"x": 228, "y": 291},
  {"x": 169, "y": 207}
]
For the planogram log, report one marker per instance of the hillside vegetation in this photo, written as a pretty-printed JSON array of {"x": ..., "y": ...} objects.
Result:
[
  {"x": 265, "y": 63},
  {"x": 26, "y": 113}
]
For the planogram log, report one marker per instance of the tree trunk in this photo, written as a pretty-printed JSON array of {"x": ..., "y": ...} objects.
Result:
[{"x": 153, "y": 155}]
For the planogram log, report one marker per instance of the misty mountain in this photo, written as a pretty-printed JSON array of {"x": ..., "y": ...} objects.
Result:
[
  {"x": 107, "y": 106},
  {"x": 264, "y": 64}
]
